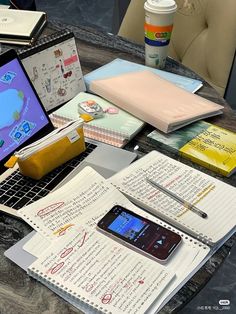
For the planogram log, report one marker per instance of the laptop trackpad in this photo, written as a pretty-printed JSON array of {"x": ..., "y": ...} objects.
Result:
[
  {"x": 106, "y": 160},
  {"x": 105, "y": 172},
  {"x": 110, "y": 157}
]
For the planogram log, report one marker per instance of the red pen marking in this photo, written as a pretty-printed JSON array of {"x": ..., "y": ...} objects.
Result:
[
  {"x": 141, "y": 282},
  {"x": 66, "y": 252},
  {"x": 153, "y": 194},
  {"x": 83, "y": 240},
  {"x": 172, "y": 181},
  {"x": 106, "y": 298},
  {"x": 47, "y": 210},
  {"x": 89, "y": 287},
  {"x": 57, "y": 268}
]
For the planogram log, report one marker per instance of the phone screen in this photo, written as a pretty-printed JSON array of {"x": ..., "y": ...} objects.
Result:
[{"x": 137, "y": 231}]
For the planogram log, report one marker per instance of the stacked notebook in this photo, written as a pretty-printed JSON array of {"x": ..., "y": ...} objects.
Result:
[
  {"x": 155, "y": 100},
  {"x": 120, "y": 127},
  {"x": 120, "y": 66},
  {"x": 21, "y": 27},
  {"x": 209, "y": 195},
  {"x": 162, "y": 99},
  {"x": 115, "y": 127}
]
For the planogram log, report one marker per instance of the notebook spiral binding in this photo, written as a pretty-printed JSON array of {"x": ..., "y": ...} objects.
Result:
[{"x": 45, "y": 42}]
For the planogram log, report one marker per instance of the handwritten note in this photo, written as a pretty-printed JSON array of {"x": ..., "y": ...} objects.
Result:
[
  {"x": 212, "y": 196},
  {"x": 89, "y": 266},
  {"x": 96, "y": 268},
  {"x": 87, "y": 196}
]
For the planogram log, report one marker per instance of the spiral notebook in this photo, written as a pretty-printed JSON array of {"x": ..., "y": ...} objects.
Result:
[
  {"x": 115, "y": 127},
  {"x": 92, "y": 271},
  {"x": 209, "y": 195},
  {"x": 53, "y": 66}
]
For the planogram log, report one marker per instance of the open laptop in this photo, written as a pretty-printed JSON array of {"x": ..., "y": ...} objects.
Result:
[{"x": 23, "y": 120}]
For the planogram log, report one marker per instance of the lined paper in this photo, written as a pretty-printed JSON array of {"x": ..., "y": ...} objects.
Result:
[
  {"x": 91, "y": 268},
  {"x": 210, "y": 195},
  {"x": 76, "y": 195},
  {"x": 87, "y": 195}
]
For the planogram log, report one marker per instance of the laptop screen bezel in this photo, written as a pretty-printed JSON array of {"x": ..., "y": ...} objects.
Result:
[{"x": 5, "y": 58}]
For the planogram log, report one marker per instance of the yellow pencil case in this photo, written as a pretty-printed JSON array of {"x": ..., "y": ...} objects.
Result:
[{"x": 51, "y": 151}]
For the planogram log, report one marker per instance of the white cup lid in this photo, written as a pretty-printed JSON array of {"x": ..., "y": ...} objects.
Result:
[{"x": 160, "y": 6}]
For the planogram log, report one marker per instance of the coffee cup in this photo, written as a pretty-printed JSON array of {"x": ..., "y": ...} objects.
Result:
[{"x": 159, "y": 15}]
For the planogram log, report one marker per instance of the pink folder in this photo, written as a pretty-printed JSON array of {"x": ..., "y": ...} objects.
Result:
[{"x": 155, "y": 100}]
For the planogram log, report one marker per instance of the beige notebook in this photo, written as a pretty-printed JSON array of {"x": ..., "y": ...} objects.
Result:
[
  {"x": 155, "y": 100},
  {"x": 21, "y": 27}
]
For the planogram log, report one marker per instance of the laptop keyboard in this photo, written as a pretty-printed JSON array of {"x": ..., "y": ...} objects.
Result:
[{"x": 17, "y": 191}]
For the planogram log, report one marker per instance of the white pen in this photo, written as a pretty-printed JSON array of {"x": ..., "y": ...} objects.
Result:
[{"x": 186, "y": 204}]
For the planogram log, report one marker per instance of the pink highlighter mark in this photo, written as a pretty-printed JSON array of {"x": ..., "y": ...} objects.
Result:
[{"x": 70, "y": 60}]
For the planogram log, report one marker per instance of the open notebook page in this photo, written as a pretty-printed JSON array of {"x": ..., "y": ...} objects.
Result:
[
  {"x": 96, "y": 270},
  {"x": 87, "y": 197},
  {"x": 210, "y": 195},
  {"x": 190, "y": 257}
]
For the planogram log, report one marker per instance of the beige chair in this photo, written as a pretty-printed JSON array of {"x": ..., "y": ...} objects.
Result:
[{"x": 203, "y": 37}]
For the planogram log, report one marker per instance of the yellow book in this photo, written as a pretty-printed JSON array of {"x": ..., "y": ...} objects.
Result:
[{"x": 206, "y": 144}]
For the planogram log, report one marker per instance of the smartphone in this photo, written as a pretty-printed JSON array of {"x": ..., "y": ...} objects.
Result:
[{"x": 139, "y": 233}]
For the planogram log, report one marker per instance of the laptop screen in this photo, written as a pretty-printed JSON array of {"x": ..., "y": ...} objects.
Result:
[{"x": 22, "y": 116}]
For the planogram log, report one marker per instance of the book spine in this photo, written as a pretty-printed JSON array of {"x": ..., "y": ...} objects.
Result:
[{"x": 204, "y": 164}]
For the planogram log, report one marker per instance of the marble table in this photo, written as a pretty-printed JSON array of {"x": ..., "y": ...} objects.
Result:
[{"x": 21, "y": 294}]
